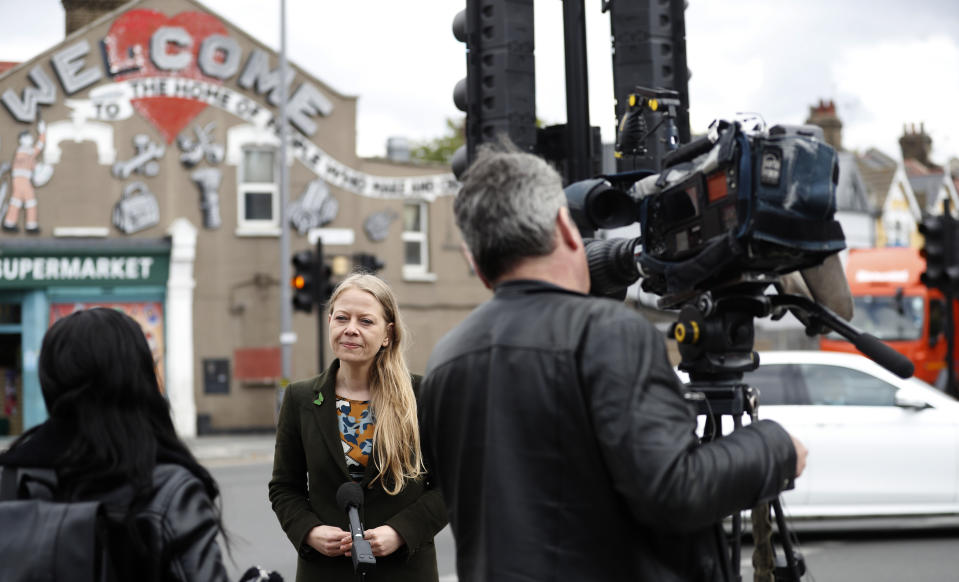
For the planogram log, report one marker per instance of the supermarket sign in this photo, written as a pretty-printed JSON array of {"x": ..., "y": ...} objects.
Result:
[{"x": 52, "y": 270}]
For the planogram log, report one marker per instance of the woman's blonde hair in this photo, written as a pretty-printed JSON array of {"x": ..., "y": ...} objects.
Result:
[{"x": 396, "y": 435}]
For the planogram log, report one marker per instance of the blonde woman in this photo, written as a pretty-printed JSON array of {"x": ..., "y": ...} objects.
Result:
[{"x": 357, "y": 421}]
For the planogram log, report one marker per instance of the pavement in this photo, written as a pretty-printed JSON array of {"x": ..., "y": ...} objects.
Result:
[
  {"x": 232, "y": 448},
  {"x": 220, "y": 449}
]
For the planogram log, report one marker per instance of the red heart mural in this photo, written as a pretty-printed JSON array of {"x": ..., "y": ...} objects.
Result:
[{"x": 135, "y": 29}]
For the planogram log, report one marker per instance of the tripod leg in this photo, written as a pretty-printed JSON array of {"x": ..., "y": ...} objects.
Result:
[
  {"x": 794, "y": 567},
  {"x": 764, "y": 560},
  {"x": 737, "y": 545}
]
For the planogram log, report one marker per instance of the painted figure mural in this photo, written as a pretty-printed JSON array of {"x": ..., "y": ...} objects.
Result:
[{"x": 22, "y": 176}]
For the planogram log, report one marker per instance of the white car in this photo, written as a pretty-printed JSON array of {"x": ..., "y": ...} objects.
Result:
[{"x": 878, "y": 445}]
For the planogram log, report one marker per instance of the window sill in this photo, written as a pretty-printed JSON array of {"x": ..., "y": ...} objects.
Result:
[
  {"x": 251, "y": 231},
  {"x": 419, "y": 277}
]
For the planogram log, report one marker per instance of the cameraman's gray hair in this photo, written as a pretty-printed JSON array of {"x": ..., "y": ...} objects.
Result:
[{"x": 507, "y": 206}]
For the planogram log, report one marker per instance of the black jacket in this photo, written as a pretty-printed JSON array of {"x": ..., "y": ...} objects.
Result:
[
  {"x": 564, "y": 450},
  {"x": 178, "y": 525}
]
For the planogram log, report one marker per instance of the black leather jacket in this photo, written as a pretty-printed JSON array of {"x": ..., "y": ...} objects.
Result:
[
  {"x": 182, "y": 526},
  {"x": 178, "y": 525},
  {"x": 564, "y": 449}
]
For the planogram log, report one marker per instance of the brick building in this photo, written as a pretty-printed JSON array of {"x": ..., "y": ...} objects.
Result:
[{"x": 139, "y": 172}]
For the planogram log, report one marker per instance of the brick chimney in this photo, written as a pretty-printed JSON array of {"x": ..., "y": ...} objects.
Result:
[
  {"x": 80, "y": 13},
  {"x": 916, "y": 145},
  {"x": 824, "y": 115}
]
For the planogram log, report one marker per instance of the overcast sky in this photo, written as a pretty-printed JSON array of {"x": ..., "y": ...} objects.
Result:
[{"x": 885, "y": 63}]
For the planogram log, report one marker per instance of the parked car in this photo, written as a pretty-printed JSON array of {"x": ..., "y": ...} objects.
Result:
[{"x": 878, "y": 445}]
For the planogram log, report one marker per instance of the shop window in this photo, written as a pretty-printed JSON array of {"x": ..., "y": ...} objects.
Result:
[
  {"x": 416, "y": 241},
  {"x": 10, "y": 313},
  {"x": 258, "y": 200}
]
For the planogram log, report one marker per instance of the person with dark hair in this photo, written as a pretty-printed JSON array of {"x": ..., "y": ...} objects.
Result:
[
  {"x": 557, "y": 431},
  {"x": 357, "y": 422},
  {"x": 109, "y": 437}
]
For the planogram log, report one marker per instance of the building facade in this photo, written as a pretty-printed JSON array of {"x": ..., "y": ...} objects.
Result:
[{"x": 139, "y": 171}]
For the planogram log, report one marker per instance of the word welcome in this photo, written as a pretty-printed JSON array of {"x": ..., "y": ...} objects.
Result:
[{"x": 218, "y": 58}]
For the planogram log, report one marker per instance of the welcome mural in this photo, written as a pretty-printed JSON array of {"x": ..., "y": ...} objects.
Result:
[{"x": 167, "y": 69}]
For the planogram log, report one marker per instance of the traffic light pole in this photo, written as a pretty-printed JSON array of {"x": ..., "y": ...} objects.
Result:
[
  {"x": 578, "y": 136},
  {"x": 287, "y": 337},
  {"x": 951, "y": 387},
  {"x": 950, "y": 263},
  {"x": 319, "y": 280}
]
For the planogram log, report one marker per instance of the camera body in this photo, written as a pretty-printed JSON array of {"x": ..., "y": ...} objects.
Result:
[
  {"x": 762, "y": 203},
  {"x": 732, "y": 204}
]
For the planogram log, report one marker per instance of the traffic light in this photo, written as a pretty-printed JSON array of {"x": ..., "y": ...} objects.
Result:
[
  {"x": 952, "y": 253},
  {"x": 649, "y": 50},
  {"x": 499, "y": 91},
  {"x": 311, "y": 280},
  {"x": 367, "y": 263},
  {"x": 305, "y": 281},
  {"x": 325, "y": 287},
  {"x": 935, "y": 251}
]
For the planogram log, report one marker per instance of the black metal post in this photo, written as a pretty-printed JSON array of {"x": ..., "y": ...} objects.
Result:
[
  {"x": 578, "y": 137},
  {"x": 320, "y": 283},
  {"x": 950, "y": 260}
]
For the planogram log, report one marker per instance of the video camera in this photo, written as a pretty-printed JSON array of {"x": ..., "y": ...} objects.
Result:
[
  {"x": 738, "y": 202},
  {"x": 725, "y": 217}
]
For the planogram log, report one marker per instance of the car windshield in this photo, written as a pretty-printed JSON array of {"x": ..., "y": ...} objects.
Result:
[{"x": 888, "y": 317}]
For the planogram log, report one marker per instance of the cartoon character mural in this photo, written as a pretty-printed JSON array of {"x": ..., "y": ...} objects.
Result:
[
  {"x": 144, "y": 160},
  {"x": 207, "y": 180},
  {"x": 167, "y": 69},
  {"x": 136, "y": 210},
  {"x": 315, "y": 208},
  {"x": 24, "y": 178},
  {"x": 377, "y": 225},
  {"x": 202, "y": 147}
]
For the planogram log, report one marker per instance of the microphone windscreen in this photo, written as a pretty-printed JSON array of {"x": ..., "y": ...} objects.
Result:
[
  {"x": 348, "y": 494},
  {"x": 828, "y": 286}
]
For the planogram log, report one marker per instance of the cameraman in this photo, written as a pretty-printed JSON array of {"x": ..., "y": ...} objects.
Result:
[{"x": 554, "y": 423}]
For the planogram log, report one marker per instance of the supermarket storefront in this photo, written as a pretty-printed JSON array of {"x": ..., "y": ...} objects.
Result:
[{"x": 44, "y": 280}]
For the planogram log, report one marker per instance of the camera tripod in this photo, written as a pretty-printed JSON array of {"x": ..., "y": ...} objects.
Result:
[{"x": 715, "y": 334}]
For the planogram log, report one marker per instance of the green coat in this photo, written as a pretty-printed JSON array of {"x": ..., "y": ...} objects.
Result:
[{"x": 309, "y": 450}]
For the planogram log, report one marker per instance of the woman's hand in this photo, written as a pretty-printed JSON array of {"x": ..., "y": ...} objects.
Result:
[
  {"x": 329, "y": 541},
  {"x": 383, "y": 540}
]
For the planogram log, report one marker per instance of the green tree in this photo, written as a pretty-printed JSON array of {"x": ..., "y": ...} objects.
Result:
[{"x": 441, "y": 149}]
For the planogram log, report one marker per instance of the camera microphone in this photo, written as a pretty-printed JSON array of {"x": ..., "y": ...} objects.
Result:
[
  {"x": 825, "y": 284},
  {"x": 350, "y": 498},
  {"x": 828, "y": 285}
]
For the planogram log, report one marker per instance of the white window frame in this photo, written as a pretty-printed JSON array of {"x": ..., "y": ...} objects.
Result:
[
  {"x": 421, "y": 271},
  {"x": 239, "y": 138},
  {"x": 257, "y": 227}
]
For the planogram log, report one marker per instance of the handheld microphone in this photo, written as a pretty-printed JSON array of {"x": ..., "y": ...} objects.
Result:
[{"x": 350, "y": 498}]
